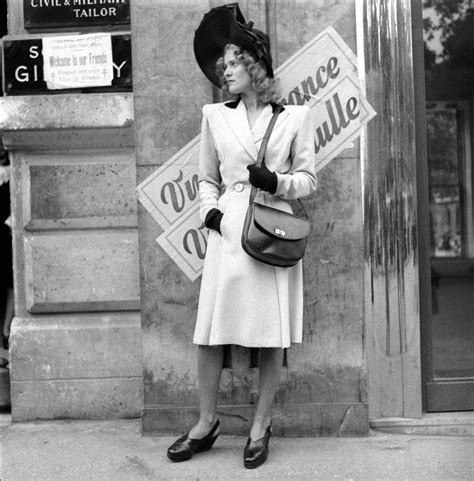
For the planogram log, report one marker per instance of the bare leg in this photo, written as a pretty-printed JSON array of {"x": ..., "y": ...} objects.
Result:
[
  {"x": 270, "y": 369},
  {"x": 210, "y": 361}
]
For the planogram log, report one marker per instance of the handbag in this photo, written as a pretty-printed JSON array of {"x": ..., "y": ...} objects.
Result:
[{"x": 270, "y": 235}]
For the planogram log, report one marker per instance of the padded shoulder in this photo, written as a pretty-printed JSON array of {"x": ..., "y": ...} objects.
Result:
[
  {"x": 297, "y": 110},
  {"x": 210, "y": 109},
  {"x": 299, "y": 114}
]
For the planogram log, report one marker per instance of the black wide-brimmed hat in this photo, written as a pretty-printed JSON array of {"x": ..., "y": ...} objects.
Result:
[{"x": 223, "y": 25}]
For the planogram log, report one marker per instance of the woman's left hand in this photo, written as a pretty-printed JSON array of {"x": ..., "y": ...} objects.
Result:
[
  {"x": 262, "y": 178},
  {"x": 213, "y": 220}
]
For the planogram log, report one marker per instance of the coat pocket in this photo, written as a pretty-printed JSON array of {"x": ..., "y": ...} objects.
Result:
[{"x": 225, "y": 216}]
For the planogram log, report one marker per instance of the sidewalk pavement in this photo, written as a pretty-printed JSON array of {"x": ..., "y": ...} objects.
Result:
[{"x": 115, "y": 450}]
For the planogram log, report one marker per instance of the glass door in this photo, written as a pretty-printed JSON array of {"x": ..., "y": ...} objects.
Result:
[{"x": 449, "y": 81}]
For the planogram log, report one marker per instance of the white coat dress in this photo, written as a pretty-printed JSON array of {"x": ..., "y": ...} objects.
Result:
[{"x": 243, "y": 301}]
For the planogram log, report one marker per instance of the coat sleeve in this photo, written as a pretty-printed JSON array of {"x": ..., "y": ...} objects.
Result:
[
  {"x": 301, "y": 181},
  {"x": 209, "y": 174}
]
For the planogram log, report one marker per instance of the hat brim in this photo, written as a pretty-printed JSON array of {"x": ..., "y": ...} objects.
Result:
[{"x": 218, "y": 28}]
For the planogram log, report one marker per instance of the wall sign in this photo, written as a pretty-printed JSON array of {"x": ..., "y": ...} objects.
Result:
[
  {"x": 322, "y": 75},
  {"x": 24, "y": 73},
  {"x": 77, "y": 61},
  {"x": 45, "y": 14}
]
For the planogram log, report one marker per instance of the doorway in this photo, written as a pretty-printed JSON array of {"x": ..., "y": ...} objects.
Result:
[{"x": 448, "y": 331}]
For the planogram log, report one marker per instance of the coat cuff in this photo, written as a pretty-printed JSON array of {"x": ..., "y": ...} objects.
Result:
[
  {"x": 213, "y": 220},
  {"x": 272, "y": 185}
]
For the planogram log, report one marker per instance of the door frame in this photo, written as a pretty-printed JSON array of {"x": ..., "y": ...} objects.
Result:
[
  {"x": 424, "y": 253},
  {"x": 429, "y": 385},
  {"x": 389, "y": 174}
]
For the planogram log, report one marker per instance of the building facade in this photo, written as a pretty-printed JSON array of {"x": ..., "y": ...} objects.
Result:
[{"x": 104, "y": 318}]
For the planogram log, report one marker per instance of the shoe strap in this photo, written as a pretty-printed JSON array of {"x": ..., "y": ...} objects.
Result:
[
  {"x": 268, "y": 431},
  {"x": 209, "y": 434}
]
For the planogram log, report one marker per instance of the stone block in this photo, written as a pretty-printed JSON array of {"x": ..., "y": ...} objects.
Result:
[
  {"x": 321, "y": 384},
  {"x": 77, "y": 399},
  {"x": 169, "y": 88},
  {"x": 433, "y": 424},
  {"x": 76, "y": 346},
  {"x": 312, "y": 419},
  {"x": 67, "y": 121},
  {"x": 77, "y": 191},
  {"x": 68, "y": 111},
  {"x": 15, "y": 18},
  {"x": 38, "y": 140},
  {"x": 89, "y": 271}
]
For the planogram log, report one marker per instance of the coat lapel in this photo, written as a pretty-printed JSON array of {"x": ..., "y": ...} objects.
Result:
[
  {"x": 236, "y": 119},
  {"x": 261, "y": 125},
  {"x": 235, "y": 115}
]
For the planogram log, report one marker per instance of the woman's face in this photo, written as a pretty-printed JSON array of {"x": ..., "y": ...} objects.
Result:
[{"x": 235, "y": 73}]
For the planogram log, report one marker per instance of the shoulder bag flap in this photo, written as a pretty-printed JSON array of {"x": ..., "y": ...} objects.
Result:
[{"x": 280, "y": 224}]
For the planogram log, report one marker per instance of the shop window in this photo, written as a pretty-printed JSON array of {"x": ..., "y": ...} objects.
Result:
[
  {"x": 448, "y": 328},
  {"x": 450, "y": 179}
]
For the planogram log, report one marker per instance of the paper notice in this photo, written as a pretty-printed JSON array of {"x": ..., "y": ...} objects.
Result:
[{"x": 77, "y": 61}]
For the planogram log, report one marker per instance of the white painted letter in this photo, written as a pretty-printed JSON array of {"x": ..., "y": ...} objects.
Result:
[
  {"x": 119, "y": 67},
  {"x": 22, "y": 76},
  {"x": 34, "y": 51}
]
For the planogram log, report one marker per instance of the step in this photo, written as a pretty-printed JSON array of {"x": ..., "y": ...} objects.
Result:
[{"x": 444, "y": 424}]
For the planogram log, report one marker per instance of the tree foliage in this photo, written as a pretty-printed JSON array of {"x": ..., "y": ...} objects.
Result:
[{"x": 455, "y": 27}]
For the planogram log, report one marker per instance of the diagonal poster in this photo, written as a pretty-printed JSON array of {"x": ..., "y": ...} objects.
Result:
[
  {"x": 172, "y": 190},
  {"x": 323, "y": 75}
]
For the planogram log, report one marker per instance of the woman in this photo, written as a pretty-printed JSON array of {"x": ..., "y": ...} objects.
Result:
[{"x": 243, "y": 301}]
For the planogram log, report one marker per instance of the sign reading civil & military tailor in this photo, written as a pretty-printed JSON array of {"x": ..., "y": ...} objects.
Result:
[
  {"x": 69, "y": 56},
  {"x": 323, "y": 75},
  {"x": 47, "y": 14}
]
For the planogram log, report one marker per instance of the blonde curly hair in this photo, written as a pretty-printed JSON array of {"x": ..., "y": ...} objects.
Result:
[{"x": 267, "y": 88}]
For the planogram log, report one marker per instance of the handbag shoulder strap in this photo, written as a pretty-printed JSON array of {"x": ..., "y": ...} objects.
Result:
[
  {"x": 263, "y": 147},
  {"x": 266, "y": 137},
  {"x": 262, "y": 151}
]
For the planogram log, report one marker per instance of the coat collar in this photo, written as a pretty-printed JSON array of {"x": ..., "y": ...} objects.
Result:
[
  {"x": 235, "y": 116},
  {"x": 234, "y": 103}
]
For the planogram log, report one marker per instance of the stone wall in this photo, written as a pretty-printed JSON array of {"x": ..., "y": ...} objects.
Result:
[
  {"x": 324, "y": 388},
  {"x": 75, "y": 345}
]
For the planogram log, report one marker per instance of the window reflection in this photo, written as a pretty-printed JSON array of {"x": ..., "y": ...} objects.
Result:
[{"x": 444, "y": 177}]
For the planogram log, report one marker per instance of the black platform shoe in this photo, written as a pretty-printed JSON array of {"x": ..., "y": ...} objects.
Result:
[
  {"x": 184, "y": 447},
  {"x": 256, "y": 455}
]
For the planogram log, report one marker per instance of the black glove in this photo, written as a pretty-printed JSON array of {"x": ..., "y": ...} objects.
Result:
[
  {"x": 262, "y": 178},
  {"x": 213, "y": 220}
]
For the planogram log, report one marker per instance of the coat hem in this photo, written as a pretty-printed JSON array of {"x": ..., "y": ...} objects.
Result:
[{"x": 245, "y": 345}]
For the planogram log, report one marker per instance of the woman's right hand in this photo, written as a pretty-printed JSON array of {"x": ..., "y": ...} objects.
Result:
[{"x": 213, "y": 220}]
